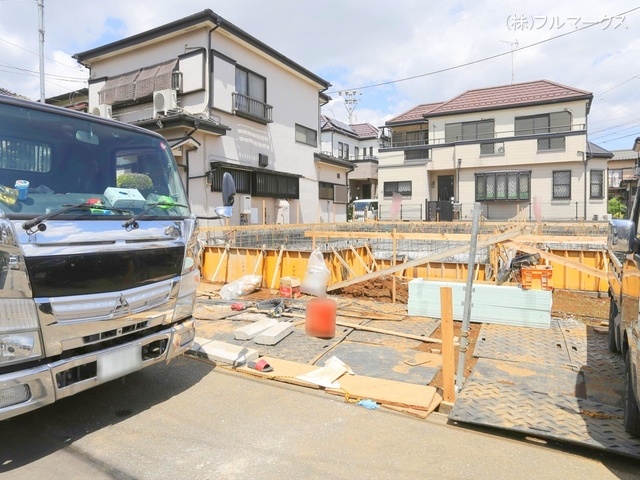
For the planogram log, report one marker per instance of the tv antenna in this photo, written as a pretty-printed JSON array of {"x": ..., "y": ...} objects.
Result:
[
  {"x": 513, "y": 44},
  {"x": 350, "y": 102}
]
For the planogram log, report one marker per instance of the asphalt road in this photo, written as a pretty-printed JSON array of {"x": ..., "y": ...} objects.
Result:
[{"x": 190, "y": 420}]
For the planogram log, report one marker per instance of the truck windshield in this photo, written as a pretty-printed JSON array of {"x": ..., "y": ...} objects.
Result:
[{"x": 50, "y": 160}]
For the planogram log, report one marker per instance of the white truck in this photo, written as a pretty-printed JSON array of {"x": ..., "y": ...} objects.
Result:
[
  {"x": 624, "y": 319},
  {"x": 100, "y": 253}
]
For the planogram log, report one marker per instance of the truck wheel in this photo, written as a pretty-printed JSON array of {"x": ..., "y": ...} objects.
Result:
[
  {"x": 611, "y": 337},
  {"x": 631, "y": 412}
]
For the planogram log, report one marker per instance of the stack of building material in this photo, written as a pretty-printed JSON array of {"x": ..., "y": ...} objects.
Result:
[{"x": 494, "y": 304}]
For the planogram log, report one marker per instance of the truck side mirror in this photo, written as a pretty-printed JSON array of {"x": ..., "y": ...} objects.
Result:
[{"x": 228, "y": 189}]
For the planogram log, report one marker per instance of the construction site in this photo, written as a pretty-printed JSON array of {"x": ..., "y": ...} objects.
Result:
[{"x": 498, "y": 325}]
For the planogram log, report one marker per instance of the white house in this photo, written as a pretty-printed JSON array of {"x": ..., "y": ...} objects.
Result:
[
  {"x": 226, "y": 102},
  {"x": 512, "y": 147},
  {"x": 358, "y": 144}
]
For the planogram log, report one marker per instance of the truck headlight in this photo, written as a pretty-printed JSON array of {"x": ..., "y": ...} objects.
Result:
[
  {"x": 187, "y": 295},
  {"x": 17, "y": 347}
]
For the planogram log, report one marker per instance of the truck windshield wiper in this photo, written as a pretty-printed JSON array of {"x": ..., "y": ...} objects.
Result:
[
  {"x": 37, "y": 222},
  {"x": 132, "y": 223}
]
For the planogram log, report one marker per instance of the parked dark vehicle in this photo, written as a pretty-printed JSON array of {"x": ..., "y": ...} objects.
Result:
[{"x": 624, "y": 292}]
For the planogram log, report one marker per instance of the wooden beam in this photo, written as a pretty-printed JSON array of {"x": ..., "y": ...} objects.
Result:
[
  {"x": 448, "y": 351},
  {"x": 362, "y": 262},
  {"x": 342, "y": 261},
  {"x": 275, "y": 270},
  {"x": 224, "y": 254},
  {"x": 373, "y": 259},
  {"x": 431, "y": 258},
  {"x": 552, "y": 257}
]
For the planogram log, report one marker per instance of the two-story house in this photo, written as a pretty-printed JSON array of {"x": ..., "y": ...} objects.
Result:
[
  {"x": 226, "y": 102},
  {"x": 510, "y": 148},
  {"x": 358, "y": 144}
]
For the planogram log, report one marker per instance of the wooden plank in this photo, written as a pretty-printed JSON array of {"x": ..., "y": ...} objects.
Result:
[
  {"x": 342, "y": 261},
  {"x": 552, "y": 257},
  {"x": 275, "y": 270},
  {"x": 359, "y": 258},
  {"x": 222, "y": 257},
  {"x": 431, "y": 258},
  {"x": 255, "y": 269},
  {"x": 387, "y": 332},
  {"x": 373, "y": 259},
  {"x": 448, "y": 360}
]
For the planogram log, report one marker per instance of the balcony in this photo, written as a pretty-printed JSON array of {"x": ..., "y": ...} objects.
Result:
[{"x": 247, "y": 107}]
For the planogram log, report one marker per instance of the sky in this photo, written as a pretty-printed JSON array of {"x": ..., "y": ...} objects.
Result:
[{"x": 384, "y": 58}]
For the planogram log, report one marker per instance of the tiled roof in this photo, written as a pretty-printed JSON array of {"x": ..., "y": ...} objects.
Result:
[
  {"x": 4, "y": 91},
  {"x": 416, "y": 113},
  {"x": 598, "y": 151},
  {"x": 365, "y": 130},
  {"x": 540, "y": 91},
  {"x": 624, "y": 155},
  {"x": 328, "y": 123},
  {"x": 358, "y": 130}
]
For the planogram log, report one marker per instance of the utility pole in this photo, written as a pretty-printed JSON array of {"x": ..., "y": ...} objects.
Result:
[
  {"x": 350, "y": 102},
  {"x": 41, "y": 32}
]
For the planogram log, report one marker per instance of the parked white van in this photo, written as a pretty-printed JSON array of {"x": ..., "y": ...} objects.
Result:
[{"x": 364, "y": 209}]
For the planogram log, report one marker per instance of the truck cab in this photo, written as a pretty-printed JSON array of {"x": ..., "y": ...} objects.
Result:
[{"x": 103, "y": 253}]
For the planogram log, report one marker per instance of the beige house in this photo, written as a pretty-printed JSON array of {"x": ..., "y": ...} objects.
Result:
[
  {"x": 509, "y": 148},
  {"x": 226, "y": 102}
]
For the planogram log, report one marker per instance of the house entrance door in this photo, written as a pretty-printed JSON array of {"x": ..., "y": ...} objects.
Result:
[{"x": 445, "y": 188}]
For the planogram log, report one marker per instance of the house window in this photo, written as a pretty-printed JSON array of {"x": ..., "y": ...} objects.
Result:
[
  {"x": 371, "y": 152},
  {"x": 340, "y": 150},
  {"x": 493, "y": 148},
  {"x": 615, "y": 178},
  {"x": 561, "y": 185},
  {"x": 251, "y": 95},
  {"x": 553, "y": 143},
  {"x": 462, "y": 131},
  {"x": 403, "y": 188},
  {"x": 275, "y": 186},
  {"x": 306, "y": 135},
  {"x": 540, "y": 124},
  {"x": 325, "y": 191},
  {"x": 416, "y": 154},
  {"x": 596, "y": 187},
  {"x": 503, "y": 186},
  {"x": 407, "y": 139},
  {"x": 356, "y": 152}
]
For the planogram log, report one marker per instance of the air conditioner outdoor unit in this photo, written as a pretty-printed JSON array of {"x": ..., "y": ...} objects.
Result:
[
  {"x": 263, "y": 160},
  {"x": 163, "y": 101},
  {"x": 103, "y": 110},
  {"x": 244, "y": 203}
]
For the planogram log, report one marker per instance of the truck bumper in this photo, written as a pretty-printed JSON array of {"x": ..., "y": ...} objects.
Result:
[{"x": 26, "y": 390}]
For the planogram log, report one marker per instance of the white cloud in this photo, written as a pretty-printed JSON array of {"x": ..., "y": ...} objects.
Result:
[{"x": 359, "y": 44}]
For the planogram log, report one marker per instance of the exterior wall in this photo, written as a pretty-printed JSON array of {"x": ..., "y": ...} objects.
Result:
[
  {"x": 464, "y": 159},
  {"x": 417, "y": 175},
  {"x": 246, "y": 138}
]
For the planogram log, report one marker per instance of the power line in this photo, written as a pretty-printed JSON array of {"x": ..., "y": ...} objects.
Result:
[{"x": 485, "y": 59}]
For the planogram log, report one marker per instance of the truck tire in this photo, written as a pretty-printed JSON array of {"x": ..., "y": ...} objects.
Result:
[
  {"x": 611, "y": 336},
  {"x": 631, "y": 412}
]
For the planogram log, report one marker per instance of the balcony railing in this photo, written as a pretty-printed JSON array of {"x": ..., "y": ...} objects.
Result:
[{"x": 254, "y": 109}]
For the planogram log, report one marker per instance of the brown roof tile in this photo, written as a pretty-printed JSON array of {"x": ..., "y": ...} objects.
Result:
[
  {"x": 416, "y": 113},
  {"x": 540, "y": 91},
  {"x": 365, "y": 130}
]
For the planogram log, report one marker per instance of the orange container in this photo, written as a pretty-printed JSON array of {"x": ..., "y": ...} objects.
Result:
[
  {"x": 320, "y": 319},
  {"x": 537, "y": 278}
]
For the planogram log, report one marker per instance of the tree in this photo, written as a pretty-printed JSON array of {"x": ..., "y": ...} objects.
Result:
[{"x": 616, "y": 207}]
